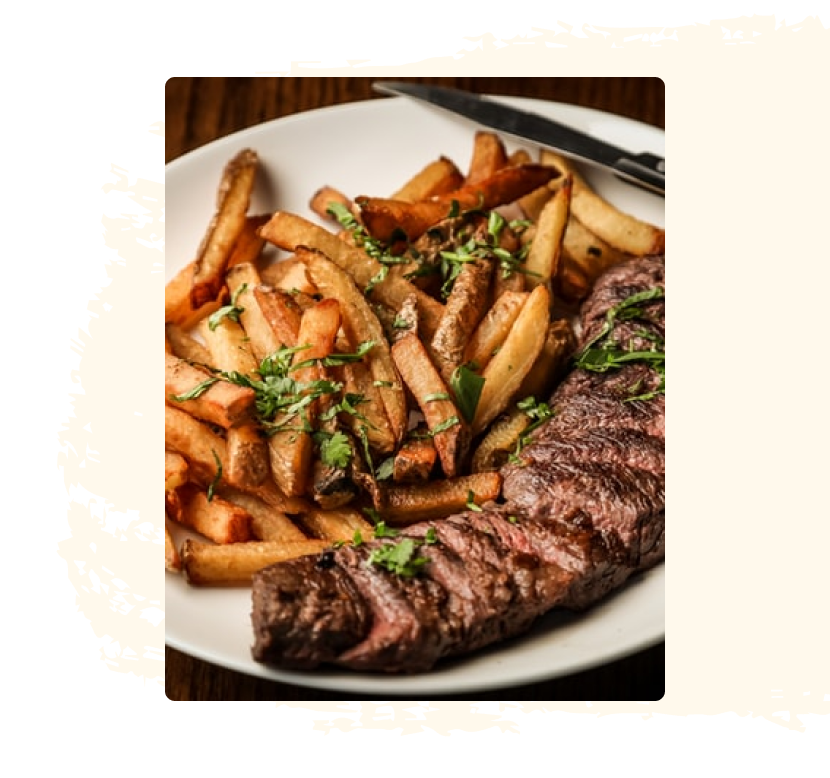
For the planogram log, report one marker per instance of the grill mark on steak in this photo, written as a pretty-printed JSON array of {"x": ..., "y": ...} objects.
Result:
[{"x": 588, "y": 511}]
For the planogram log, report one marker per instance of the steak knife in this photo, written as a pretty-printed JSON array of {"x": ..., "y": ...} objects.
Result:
[{"x": 645, "y": 170}]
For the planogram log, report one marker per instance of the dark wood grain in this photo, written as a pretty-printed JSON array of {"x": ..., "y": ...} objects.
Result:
[{"x": 200, "y": 110}]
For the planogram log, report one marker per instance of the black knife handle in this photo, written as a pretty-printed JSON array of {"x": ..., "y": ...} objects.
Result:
[{"x": 645, "y": 170}]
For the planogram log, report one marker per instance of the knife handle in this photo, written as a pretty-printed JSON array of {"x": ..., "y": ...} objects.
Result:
[{"x": 645, "y": 170}]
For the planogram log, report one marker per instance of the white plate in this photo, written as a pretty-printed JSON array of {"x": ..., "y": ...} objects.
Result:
[{"x": 372, "y": 148}]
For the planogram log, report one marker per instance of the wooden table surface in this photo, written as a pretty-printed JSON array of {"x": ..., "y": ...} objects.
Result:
[{"x": 199, "y": 110}]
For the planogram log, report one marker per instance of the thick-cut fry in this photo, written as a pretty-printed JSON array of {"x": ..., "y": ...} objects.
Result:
[
  {"x": 248, "y": 460},
  {"x": 361, "y": 325},
  {"x": 493, "y": 329},
  {"x": 621, "y": 230},
  {"x": 289, "y": 231},
  {"x": 551, "y": 362},
  {"x": 203, "y": 395},
  {"x": 358, "y": 380},
  {"x": 261, "y": 337},
  {"x": 585, "y": 257},
  {"x": 175, "y": 470},
  {"x": 225, "y": 228},
  {"x": 383, "y": 218},
  {"x": 519, "y": 157},
  {"x": 506, "y": 370},
  {"x": 437, "y": 178},
  {"x": 324, "y": 197},
  {"x": 281, "y": 312},
  {"x": 249, "y": 244},
  {"x": 489, "y": 156},
  {"x": 177, "y": 305},
  {"x": 290, "y": 276},
  {"x": 184, "y": 346},
  {"x": 204, "y": 563},
  {"x": 546, "y": 247},
  {"x": 449, "y": 432},
  {"x": 229, "y": 347},
  {"x": 409, "y": 503},
  {"x": 196, "y": 442},
  {"x": 414, "y": 461},
  {"x": 336, "y": 525},
  {"x": 500, "y": 441},
  {"x": 465, "y": 307},
  {"x": 267, "y": 522},
  {"x": 215, "y": 518}
]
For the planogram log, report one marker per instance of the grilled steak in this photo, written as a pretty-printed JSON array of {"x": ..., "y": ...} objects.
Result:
[{"x": 584, "y": 509}]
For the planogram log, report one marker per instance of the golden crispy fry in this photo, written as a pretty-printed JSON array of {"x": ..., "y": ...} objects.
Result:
[
  {"x": 289, "y": 231},
  {"x": 519, "y": 157},
  {"x": 465, "y": 307},
  {"x": 449, "y": 432},
  {"x": 225, "y": 228},
  {"x": 493, "y": 329},
  {"x": 281, "y": 312},
  {"x": 546, "y": 247},
  {"x": 196, "y": 442},
  {"x": 533, "y": 203},
  {"x": 220, "y": 403},
  {"x": 229, "y": 347},
  {"x": 357, "y": 379},
  {"x": 324, "y": 197},
  {"x": 175, "y": 470},
  {"x": 437, "y": 178},
  {"x": 506, "y": 370},
  {"x": 585, "y": 257},
  {"x": 177, "y": 306},
  {"x": 267, "y": 522},
  {"x": 204, "y": 563},
  {"x": 489, "y": 156},
  {"x": 262, "y": 339},
  {"x": 290, "y": 276},
  {"x": 621, "y": 230},
  {"x": 551, "y": 362},
  {"x": 248, "y": 459},
  {"x": 414, "y": 461},
  {"x": 361, "y": 325},
  {"x": 437, "y": 499},
  {"x": 184, "y": 346},
  {"x": 500, "y": 441},
  {"x": 215, "y": 518},
  {"x": 249, "y": 244},
  {"x": 336, "y": 525},
  {"x": 515, "y": 282}
]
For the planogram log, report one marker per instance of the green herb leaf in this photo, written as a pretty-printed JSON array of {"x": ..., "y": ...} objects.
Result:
[
  {"x": 232, "y": 311},
  {"x": 217, "y": 478},
  {"x": 387, "y": 467},
  {"x": 357, "y": 538},
  {"x": 196, "y": 391},
  {"x": 466, "y": 386},
  {"x": 381, "y": 530},
  {"x": 373, "y": 516},
  {"x": 430, "y": 398},
  {"x": 471, "y": 503},
  {"x": 431, "y": 538},
  {"x": 400, "y": 558},
  {"x": 444, "y": 426},
  {"x": 336, "y": 451}
]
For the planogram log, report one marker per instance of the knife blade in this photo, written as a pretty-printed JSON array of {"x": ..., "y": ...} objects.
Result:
[{"x": 644, "y": 169}]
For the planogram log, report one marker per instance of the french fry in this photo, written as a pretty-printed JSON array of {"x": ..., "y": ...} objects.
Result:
[
  {"x": 229, "y": 347},
  {"x": 449, "y": 432},
  {"x": 236, "y": 563},
  {"x": 357, "y": 380},
  {"x": 196, "y": 442},
  {"x": 336, "y": 525},
  {"x": 621, "y": 230},
  {"x": 185, "y": 346},
  {"x": 493, "y": 329},
  {"x": 267, "y": 523},
  {"x": 175, "y": 470},
  {"x": 585, "y": 257},
  {"x": 414, "y": 461},
  {"x": 249, "y": 244},
  {"x": 506, "y": 370},
  {"x": 551, "y": 362},
  {"x": 437, "y": 178},
  {"x": 543, "y": 258},
  {"x": 225, "y": 228},
  {"x": 215, "y": 518},
  {"x": 324, "y": 197},
  {"x": 262, "y": 339},
  {"x": 281, "y": 312},
  {"x": 407, "y": 504},
  {"x": 203, "y": 395},
  {"x": 288, "y": 275},
  {"x": 361, "y": 325},
  {"x": 465, "y": 307},
  {"x": 488, "y": 156},
  {"x": 500, "y": 441},
  {"x": 249, "y": 463},
  {"x": 177, "y": 305},
  {"x": 519, "y": 157}
]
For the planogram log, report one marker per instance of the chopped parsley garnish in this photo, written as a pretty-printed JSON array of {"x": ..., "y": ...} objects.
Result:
[
  {"x": 513, "y": 519},
  {"x": 431, "y": 398},
  {"x": 471, "y": 502},
  {"x": 385, "y": 470},
  {"x": 381, "y": 530},
  {"x": 336, "y": 451},
  {"x": 357, "y": 538},
  {"x": 601, "y": 354},
  {"x": 448, "y": 423},
  {"x": 401, "y": 323},
  {"x": 217, "y": 478},
  {"x": 466, "y": 386},
  {"x": 538, "y": 413},
  {"x": 374, "y": 517},
  {"x": 400, "y": 558},
  {"x": 196, "y": 391},
  {"x": 431, "y": 538}
]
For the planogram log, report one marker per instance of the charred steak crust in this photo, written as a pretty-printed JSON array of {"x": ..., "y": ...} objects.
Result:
[{"x": 585, "y": 509}]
